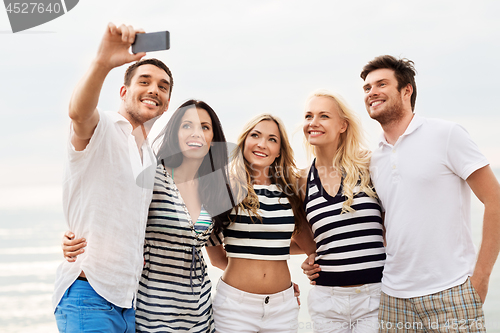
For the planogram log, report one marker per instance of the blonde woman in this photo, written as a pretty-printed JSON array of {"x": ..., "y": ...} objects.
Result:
[
  {"x": 255, "y": 293},
  {"x": 346, "y": 218}
]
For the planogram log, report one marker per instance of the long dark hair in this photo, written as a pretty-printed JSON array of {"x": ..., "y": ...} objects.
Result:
[{"x": 213, "y": 190}]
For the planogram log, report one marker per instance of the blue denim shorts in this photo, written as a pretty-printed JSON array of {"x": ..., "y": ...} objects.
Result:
[{"x": 81, "y": 309}]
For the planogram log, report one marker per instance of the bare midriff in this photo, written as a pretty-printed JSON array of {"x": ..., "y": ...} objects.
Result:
[{"x": 257, "y": 276}]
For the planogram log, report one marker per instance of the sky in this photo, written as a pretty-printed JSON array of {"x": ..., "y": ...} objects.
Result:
[{"x": 244, "y": 58}]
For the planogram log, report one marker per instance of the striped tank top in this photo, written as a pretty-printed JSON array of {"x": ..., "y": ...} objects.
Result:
[{"x": 350, "y": 248}]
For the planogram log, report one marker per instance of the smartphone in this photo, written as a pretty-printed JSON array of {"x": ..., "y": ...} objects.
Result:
[{"x": 153, "y": 41}]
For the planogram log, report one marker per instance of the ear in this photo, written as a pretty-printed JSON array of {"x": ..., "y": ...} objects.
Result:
[
  {"x": 345, "y": 124},
  {"x": 123, "y": 92},
  {"x": 407, "y": 91}
]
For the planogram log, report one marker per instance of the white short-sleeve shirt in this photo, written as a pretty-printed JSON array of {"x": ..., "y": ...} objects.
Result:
[
  {"x": 421, "y": 182},
  {"x": 107, "y": 190}
]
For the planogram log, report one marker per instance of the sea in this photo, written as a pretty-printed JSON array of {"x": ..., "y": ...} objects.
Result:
[{"x": 30, "y": 253}]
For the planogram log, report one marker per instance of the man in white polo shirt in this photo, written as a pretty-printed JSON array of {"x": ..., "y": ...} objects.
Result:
[
  {"x": 423, "y": 171},
  {"x": 108, "y": 188}
]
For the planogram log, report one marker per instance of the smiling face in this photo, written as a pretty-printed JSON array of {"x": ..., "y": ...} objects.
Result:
[
  {"x": 147, "y": 96},
  {"x": 195, "y": 133},
  {"x": 383, "y": 101},
  {"x": 262, "y": 146},
  {"x": 322, "y": 122}
]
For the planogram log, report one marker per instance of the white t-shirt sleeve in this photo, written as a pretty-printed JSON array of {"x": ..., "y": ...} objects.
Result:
[{"x": 463, "y": 154}]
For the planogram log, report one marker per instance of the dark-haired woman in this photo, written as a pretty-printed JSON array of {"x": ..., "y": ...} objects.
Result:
[
  {"x": 174, "y": 291},
  {"x": 190, "y": 192}
]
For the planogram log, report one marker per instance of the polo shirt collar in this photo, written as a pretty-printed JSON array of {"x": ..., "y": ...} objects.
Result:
[{"x": 415, "y": 123}]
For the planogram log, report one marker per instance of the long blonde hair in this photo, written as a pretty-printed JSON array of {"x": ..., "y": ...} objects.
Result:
[
  {"x": 282, "y": 172},
  {"x": 352, "y": 157}
]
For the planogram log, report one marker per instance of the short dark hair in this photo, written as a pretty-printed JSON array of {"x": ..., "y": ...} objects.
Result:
[
  {"x": 129, "y": 73},
  {"x": 403, "y": 68},
  {"x": 213, "y": 190}
]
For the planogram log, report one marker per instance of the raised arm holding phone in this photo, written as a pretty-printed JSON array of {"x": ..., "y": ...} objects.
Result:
[
  {"x": 107, "y": 188},
  {"x": 113, "y": 52}
]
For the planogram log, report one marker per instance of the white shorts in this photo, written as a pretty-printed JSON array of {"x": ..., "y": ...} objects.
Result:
[
  {"x": 345, "y": 309},
  {"x": 242, "y": 312}
]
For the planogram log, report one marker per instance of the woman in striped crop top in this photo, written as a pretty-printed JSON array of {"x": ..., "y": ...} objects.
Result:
[
  {"x": 255, "y": 293},
  {"x": 346, "y": 218},
  {"x": 187, "y": 205}
]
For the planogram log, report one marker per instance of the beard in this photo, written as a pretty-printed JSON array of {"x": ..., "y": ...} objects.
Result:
[
  {"x": 135, "y": 115},
  {"x": 390, "y": 114}
]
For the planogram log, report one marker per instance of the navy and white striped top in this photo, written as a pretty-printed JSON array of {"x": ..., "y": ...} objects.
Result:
[
  {"x": 266, "y": 240},
  {"x": 174, "y": 290},
  {"x": 350, "y": 248}
]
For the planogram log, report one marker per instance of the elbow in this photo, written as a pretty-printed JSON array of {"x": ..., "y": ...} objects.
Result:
[
  {"x": 73, "y": 112},
  {"x": 76, "y": 116},
  {"x": 73, "y": 115},
  {"x": 82, "y": 115}
]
